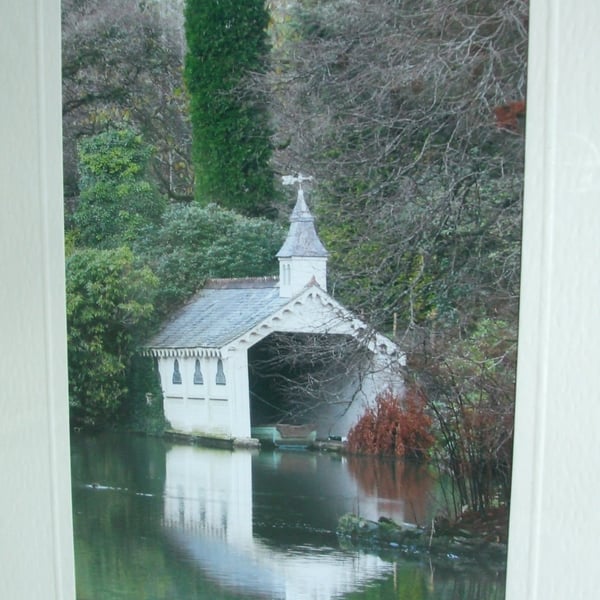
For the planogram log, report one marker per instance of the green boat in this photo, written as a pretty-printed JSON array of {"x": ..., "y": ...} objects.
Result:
[{"x": 285, "y": 436}]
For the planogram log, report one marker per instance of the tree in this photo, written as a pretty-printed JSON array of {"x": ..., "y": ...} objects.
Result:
[
  {"x": 109, "y": 309},
  {"x": 471, "y": 395},
  {"x": 123, "y": 60},
  {"x": 117, "y": 201},
  {"x": 392, "y": 106},
  {"x": 410, "y": 115},
  {"x": 227, "y": 40},
  {"x": 193, "y": 243}
]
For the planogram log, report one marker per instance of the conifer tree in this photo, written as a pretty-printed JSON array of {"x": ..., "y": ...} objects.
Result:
[{"x": 227, "y": 42}]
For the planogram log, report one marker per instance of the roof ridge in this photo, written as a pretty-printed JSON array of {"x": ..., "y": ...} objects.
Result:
[{"x": 240, "y": 282}]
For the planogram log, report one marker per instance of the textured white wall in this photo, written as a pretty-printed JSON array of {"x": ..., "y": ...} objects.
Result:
[
  {"x": 36, "y": 547},
  {"x": 555, "y": 521}
]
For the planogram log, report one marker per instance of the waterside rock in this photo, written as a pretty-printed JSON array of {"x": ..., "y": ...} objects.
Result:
[{"x": 389, "y": 536}]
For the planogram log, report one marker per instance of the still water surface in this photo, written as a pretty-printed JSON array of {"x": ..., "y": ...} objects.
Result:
[{"x": 155, "y": 520}]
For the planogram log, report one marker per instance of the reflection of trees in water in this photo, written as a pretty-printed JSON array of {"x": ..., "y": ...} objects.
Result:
[
  {"x": 442, "y": 583},
  {"x": 474, "y": 585},
  {"x": 395, "y": 480},
  {"x": 122, "y": 545}
]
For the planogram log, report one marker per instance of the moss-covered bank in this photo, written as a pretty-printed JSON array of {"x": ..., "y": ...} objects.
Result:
[{"x": 456, "y": 542}]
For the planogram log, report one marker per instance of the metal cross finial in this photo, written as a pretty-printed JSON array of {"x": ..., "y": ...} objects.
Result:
[{"x": 299, "y": 179}]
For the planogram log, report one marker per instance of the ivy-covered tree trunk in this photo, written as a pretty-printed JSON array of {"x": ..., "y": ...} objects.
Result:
[{"x": 227, "y": 42}]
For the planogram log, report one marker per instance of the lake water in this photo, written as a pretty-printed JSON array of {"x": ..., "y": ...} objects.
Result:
[{"x": 154, "y": 520}]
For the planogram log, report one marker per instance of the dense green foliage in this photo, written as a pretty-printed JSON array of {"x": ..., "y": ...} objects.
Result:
[
  {"x": 227, "y": 41},
  {"x": 194, "y": 243},
  {"x": 117, "y": 200},
  {"x": 110, "y": 292},
  {"x": 109, "y": 306},
  {"x": 130, "y": 260}
]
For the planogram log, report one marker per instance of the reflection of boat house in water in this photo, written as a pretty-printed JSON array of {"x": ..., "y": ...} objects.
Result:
[
  {"x": 216, "y": 354},
  {"x": 208, "y": 517}
]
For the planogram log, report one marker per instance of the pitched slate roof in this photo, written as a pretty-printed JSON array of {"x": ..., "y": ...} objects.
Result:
[
  {"x": 302, "y": 239},
  {"x": 222, "y": 311}
]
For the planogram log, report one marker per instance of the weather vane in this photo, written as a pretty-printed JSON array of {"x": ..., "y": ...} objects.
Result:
[{"x": 293, "y": 179}]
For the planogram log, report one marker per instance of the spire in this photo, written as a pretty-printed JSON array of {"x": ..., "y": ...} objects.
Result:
[
  {"x": 301, "y": 211},
  {"x": 302, "y": 258},
  {"x": 302, "y": 238}
]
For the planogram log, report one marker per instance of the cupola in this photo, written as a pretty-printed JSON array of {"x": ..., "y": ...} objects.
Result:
[{"x": 302, "y": 258}]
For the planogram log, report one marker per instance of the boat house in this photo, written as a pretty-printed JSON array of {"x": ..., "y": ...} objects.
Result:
[{"x": 250, "y": 352}]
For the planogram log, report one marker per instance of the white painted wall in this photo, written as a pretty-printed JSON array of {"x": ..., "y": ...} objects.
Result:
[
  {"x": 36, "y": 546},
  {"x": 191, "y": 408},
  {"x": 297, "y": 272},
  {"x": 224, "y": 410},
  {"x": 360, "y": 387},
  {"x": 555, "y": 521},
  {"x": 237, "y": 365},
  {"x": 210, "y": 409}
]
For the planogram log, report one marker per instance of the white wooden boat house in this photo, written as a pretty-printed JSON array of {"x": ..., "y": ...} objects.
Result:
[{"x": 205, "y": 352}]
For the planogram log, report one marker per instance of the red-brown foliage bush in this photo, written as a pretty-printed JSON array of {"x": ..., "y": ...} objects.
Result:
[{"x": 393, "y": 427}]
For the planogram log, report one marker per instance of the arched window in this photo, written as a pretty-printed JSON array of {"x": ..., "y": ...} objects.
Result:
[
  {"x": 176, "y": 372},
  {"x": 198, "y": 379},
  {"x": 220, "y": 378}
]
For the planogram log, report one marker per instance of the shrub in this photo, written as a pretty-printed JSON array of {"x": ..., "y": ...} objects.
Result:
[
  {"x": 471, "y": 397},
  {"x": 394, "y": 427}
]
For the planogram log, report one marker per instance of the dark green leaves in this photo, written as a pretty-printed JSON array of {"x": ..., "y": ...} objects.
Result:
[
  {"x": 195, "y": 243},
  {"x": 109, "y": 307},
  {"x": 227, "y": 44},
  {"x": 117, "y": 200}
]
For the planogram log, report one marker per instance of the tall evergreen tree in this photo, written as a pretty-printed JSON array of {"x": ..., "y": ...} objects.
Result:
[{"x": 227, "y": 42}]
